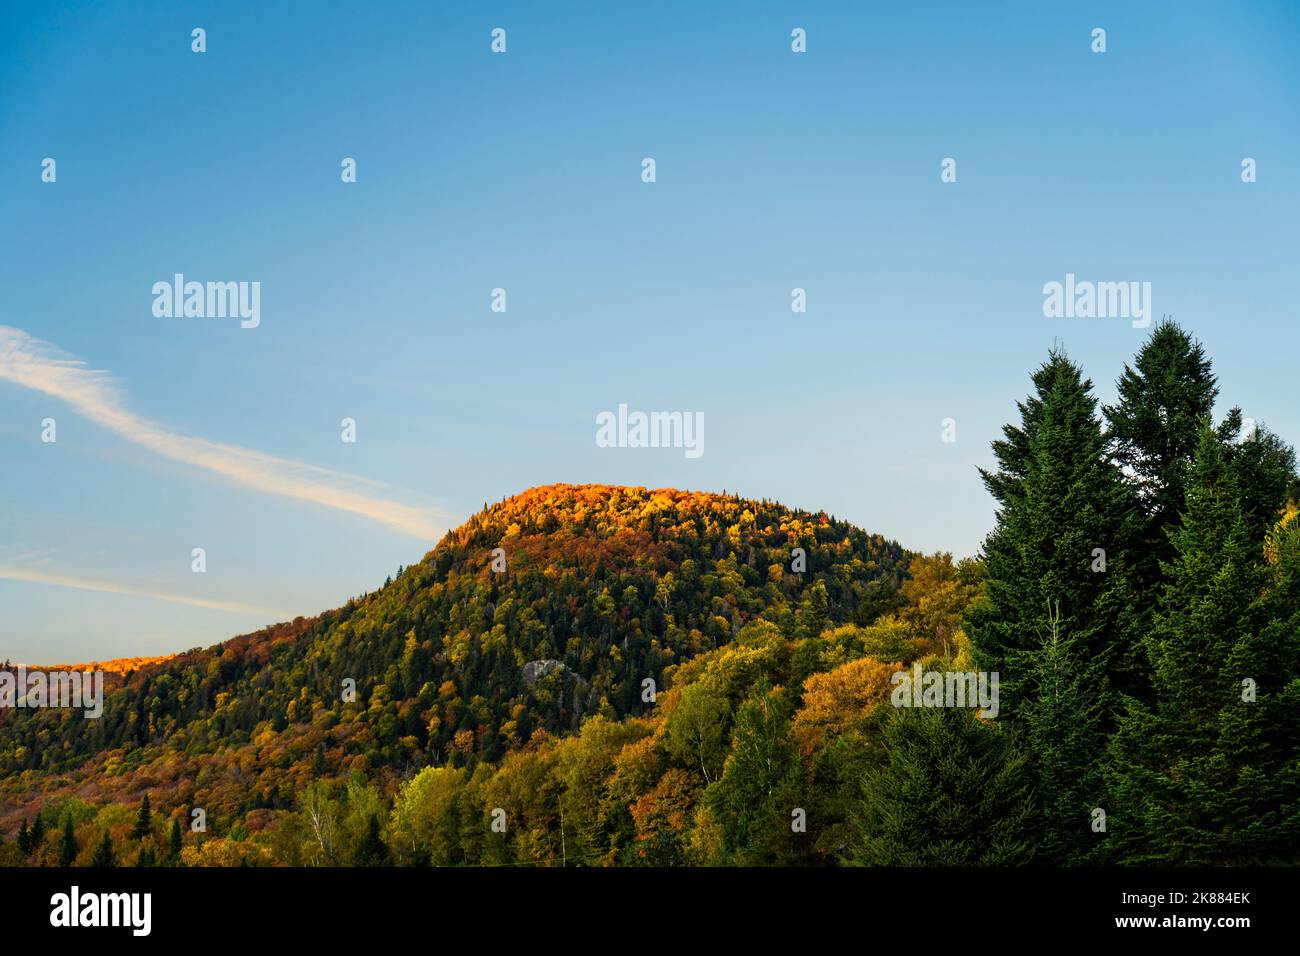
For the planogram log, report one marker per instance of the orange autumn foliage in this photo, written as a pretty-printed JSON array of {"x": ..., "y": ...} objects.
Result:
[{"x": 834, "y": 701}]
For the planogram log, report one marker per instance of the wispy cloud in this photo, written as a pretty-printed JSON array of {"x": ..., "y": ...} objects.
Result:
[
  {"x": 109, "y": 587},
  {"x": 41, "y": 366}
]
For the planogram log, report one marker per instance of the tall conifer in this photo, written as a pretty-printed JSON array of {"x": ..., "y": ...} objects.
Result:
[
  {"x": 1064, "y": 523},
  {"x": 1209, "y": 773}
]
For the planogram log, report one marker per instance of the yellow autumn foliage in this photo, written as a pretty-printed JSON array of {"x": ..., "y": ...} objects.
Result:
[{"x": 835, "y": 701}]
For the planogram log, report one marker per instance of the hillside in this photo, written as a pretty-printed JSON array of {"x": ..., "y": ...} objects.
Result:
[
  {"x": 118, "y": 666},
  {"x": 452, "y": 661}
]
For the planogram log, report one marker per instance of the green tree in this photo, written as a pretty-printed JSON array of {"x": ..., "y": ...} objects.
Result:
[
  {"x": 175, "y": 843},
  {"x": 1165, "y": 399},
  {"x": 144, "y": 822},
  {"x": 1264, "y": 468},
  {"x": 757, "y": 790},
  {"x": 695, "y": 733},
  {"x": 814, "y": 610},
  {"x": 1063, "y": 733},
  {"x": 103, "y": 853},
  {"x": 1209, "y": 772},
  {"x": 425, "y": 822},
  {"x": 68, "y": 848},
  {"x": 952, "y": 791},
  {"x": 372, "y": 850},
  {"x": 1063, "y": 511}
]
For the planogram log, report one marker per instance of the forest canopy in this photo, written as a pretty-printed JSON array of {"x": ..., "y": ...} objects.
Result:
[{"x": 595, "y": 675}]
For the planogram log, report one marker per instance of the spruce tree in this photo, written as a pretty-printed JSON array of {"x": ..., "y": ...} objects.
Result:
[
  {"x": 68, "y": 848},
  {"x": 372, "y": 851},
  {"x": 1264, "y": 468},
  {"x": 1064, "y": 526},
  {"x": 1058, "y": 620},
  {"x": 144, "y": 822},
  {"x": 103, "y": 853},
  {"x": 953, "y": 791},
  {"x": 1062, "y": 722},
  {"x": 37, "y": 836},
  {"x": 1209, "y": 773},
  {"x": 318, "y": 762},
  {"x": 174, "y": 843},
  {"x": 1165, "y": 398},
  {"x": 814, "y": 610}
]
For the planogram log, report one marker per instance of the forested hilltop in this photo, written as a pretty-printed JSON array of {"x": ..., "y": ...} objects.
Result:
[
  {"x": 587, "y": 675},
  {"x": 462, "y": 658}
]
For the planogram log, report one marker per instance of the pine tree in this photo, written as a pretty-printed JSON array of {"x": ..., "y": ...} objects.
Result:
[
  {"x": 1165, "y": 398},
  {"x": 103, "y": 853},
  {"x": 1064, "y": 524},
  {"x": 1264, "y": 468},
  {"x": 144, "y": 822},
  {"x": 1058, "y": 564},
  {"x": 68, "y": 848},
  {"x": 953, "y": 791},
  {"x": 1209, "y": 773},
  {"x": 814, "y": 610},
  {"x": 175, "y": 843},
  {"x": 372, "y": 850},
  {"x": 1063, "y": 733},
  {"x": 24, "y": 838},
  {"x": 318, "y": 762},
  {"x": 38, "y": 833}
]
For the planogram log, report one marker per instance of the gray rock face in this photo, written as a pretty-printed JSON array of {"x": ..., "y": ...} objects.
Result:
[{"x": 536, "y": 670}]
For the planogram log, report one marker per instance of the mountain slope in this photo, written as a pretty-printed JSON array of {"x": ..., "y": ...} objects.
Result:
[{"x": 603, "y": 587}]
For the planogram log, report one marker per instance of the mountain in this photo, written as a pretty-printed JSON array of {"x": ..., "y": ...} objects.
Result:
[{"x": 464, "y": 657}]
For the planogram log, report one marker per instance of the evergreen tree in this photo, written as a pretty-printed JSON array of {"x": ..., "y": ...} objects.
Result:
[
  {"x": 146, "y": 857},
  {"x": 103, "y": 853},
  {"x": 175, "y": 843},
  {"x": 68, "y": 848},
  {"x": 38, "y": 832},
  {"x": 814, "y": 610},
  {"x": 372, "y": 851},
  {"x": 953, "y": 791},
  {"x": 24, "y": 838},
  {"x": 1264, "y": 468},
  {"x": 1209, "y": 773},
  {"x": 1165, "y": 398},
  {"x": 1063, "y": 511},
  {"x": 144, "y": 822},
  {"x": 1057, "y": 564},
  {"x": 1064, "y": 736}
]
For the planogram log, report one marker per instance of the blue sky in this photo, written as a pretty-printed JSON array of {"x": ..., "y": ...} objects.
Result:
[{"x": 775, "y": 170}]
